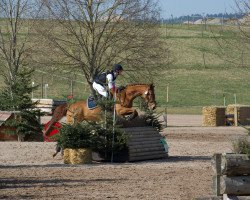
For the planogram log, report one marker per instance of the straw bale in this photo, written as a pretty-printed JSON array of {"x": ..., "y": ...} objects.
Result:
[
  {"x": 66, "y": 156},
  {"x": 78, "y": 156},
  {"x": 213, "y": 116}
]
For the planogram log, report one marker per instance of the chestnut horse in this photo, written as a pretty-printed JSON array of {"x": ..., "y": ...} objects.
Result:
[{"x": 79, "y": 111}]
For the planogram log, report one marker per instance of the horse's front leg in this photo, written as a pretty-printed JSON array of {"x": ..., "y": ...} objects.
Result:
[
  {"x": 122, "y": 111},
  {"x": 58, "y": 149}
]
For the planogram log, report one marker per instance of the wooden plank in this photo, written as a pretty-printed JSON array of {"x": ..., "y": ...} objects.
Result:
[
  {"x": 43, "y": 106},
  {"x": 235, "y": 164},
  {"x": 148, "y": 149},
  {"x": 146, "y": 142},
  {"x": 146, "y": 146},
  {"x": 152, "y": 140},
  {"x": 235, "y": 185},
  {"x": 153, "y": 132},
  {"x": 134, "y": 131},
  {"x": 131, "y": 137},
  {"x": 140, "y": 146},
  {"x": 136, "y": 154},
  {"x": 43, "y": 101},
  {"x": 142, "y": 139},
  {"x": 139, "y": 128}
]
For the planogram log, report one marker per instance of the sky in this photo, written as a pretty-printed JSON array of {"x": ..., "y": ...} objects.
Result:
[{"x": 187, "y": 7}]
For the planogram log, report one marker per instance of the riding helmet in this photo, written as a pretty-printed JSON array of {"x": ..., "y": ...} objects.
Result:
[{"x": 117, "y": 67}]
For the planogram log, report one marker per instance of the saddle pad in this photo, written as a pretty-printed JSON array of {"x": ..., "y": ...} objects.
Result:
[{"x": 91, "y": 103}]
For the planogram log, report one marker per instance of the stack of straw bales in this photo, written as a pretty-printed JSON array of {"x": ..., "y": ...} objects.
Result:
[
  {"x": 243, "y": 112},
  {"x": 213, "y": 116},
  {"x": 77, "y": 156}
]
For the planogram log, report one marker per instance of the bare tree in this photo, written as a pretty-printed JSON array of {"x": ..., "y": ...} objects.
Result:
[
  {"x": 243, "y": 36},
  {"x": 233, "y": 43},
  {"x": 92, "y": 35},
  {"x": 15, "y": 47},
  {"x": 234, "y": 46}
]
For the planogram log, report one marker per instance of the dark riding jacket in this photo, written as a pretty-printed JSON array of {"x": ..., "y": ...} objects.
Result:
[{"x": 102, "y": 78}]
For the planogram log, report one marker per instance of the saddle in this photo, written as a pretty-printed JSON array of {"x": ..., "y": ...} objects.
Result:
[
  {"x": 102, "y": 102},
  {"x": 91, "y": 103}
]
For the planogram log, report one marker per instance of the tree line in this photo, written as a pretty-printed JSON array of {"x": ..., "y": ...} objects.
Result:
[{"x": 194, "y": 17}]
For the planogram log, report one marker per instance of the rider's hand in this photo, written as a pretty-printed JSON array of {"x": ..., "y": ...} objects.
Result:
[{"x": 114, "y": 89}]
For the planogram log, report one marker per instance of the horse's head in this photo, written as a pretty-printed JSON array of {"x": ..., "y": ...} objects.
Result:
[
  {"x": 149, "y": 96},
  {"x": 146, "y": 91}
]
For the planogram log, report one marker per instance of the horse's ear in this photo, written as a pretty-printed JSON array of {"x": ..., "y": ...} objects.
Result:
[{"x": 152, "y": 86}]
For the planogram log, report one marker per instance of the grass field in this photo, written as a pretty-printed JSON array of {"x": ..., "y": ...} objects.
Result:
[
  {"x": 207, "y": 65},
  {"x": 195, "y": 82}
]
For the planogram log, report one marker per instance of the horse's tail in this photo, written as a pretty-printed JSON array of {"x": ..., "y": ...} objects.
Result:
[{"x": 59, "y": 112}]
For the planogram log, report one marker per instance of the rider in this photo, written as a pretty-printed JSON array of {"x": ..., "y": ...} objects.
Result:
[{"x": 107, "y": 80}]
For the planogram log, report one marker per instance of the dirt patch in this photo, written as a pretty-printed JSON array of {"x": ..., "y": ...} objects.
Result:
[{"x": 28, "y": 171}]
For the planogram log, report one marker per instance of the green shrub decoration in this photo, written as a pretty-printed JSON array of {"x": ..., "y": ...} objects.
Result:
[
  {"x": 96, "y": 137},
  {"x": 152, "y": 118},
  {"x": 76, "y": 136},
  {"x": 104, "y": 145},
  {"x": 242, "y": 146}
]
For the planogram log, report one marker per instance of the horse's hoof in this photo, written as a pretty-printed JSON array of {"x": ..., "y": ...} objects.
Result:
[{"x": 127, "y": 118}]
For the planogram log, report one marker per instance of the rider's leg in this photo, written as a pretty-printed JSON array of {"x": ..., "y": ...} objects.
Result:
[{"x": 100, "y": 89}]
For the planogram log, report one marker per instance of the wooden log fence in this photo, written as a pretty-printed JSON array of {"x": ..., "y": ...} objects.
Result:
[
  {"x": 232, "y": 176},
  {"x": 145, "y": 143}
]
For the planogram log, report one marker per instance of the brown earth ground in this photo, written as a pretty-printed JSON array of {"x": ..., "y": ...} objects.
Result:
[{"x": 28, "y": 171}]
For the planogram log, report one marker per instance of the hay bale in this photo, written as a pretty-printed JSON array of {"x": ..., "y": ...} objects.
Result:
[
  {"x": 230, "y": 108},
  {"x": 66, "y": 157},
  {"x": 77, "y": 156},
  {"x": 213, "y": 116}
]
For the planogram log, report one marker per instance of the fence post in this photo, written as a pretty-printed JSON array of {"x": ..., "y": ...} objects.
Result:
[
  {"x": 42, "y": 86},
  {"x": 32, "y": 93},
  {"x": 235, "y": 115},
  {"x": 167, "y": 92},
  {"x": 235, "y": 99},
  {"x": 71, "y": 88},
  {"x": 216, "y": 164}
]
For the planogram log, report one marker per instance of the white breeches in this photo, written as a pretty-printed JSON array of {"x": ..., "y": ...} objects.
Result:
[{"x": 100, "y": 89}]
